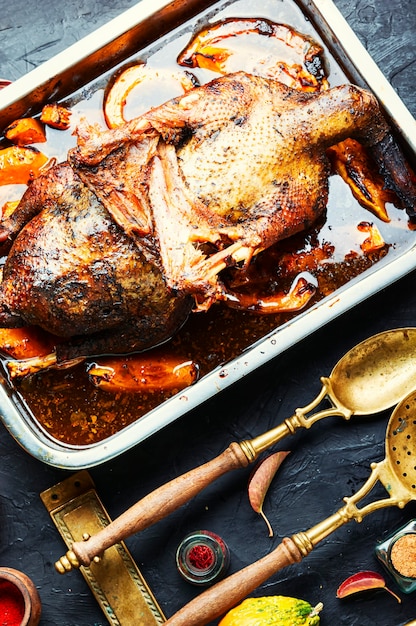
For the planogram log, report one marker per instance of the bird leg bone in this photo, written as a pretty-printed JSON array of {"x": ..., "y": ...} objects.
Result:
[
  {"x": 27, "y": 367},
  {"x": 181, "y": 226}
]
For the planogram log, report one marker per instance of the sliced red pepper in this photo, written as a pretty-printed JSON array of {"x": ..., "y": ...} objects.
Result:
[{"x": 363, "y": 581}]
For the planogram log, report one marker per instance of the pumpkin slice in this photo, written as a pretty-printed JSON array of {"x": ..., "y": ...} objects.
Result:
[
  {"x": 20, "y": 165},
  {"x": 168, "y": 83},
  {"x": 25, "y": 131},
  {"x": 258, "y": 46},
  {"x": 139, "y": 373},
  {"x": 56, "y": 116}
]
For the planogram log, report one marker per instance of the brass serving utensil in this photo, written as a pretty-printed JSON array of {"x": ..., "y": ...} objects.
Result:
[
  {"x": 397, "y": 473},
  {"x": 371, "y": 377}
]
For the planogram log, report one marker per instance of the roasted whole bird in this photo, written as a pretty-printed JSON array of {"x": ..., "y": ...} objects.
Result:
[
  {"x": 231, "y": 168},
  {"x": 150, "y": 213}
]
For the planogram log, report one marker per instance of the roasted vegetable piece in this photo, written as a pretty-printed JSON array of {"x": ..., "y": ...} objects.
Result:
[
  {"x": 56, "y": 116},
  {"x": 26, "y": 342},
  {"x": 352, "y": 162},
  {"x": 138, "y": 373},
  {"x": 374, "y": 241},
  {"x": 258, "y": 46},
  {"x": 276, "y": 610},
  {"x": 24, "y": 131},
  {"x": 298, "y": 297},
  {"x": 20, "y": 368},
  {"x": 8, "y": 208},
  {"x": 19, "y": 165},
  {"x": 169, "y": 84}
]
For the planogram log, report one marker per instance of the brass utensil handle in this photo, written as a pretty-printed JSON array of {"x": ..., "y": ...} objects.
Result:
[
  {"x": 227, "y": 593},
  {"x": 153, "y": 507},
  {"x": 232, "y": 590},
  {"x": 169, "y": 497}
]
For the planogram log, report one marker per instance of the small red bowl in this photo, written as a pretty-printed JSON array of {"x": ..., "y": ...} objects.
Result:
[{"x": 20, "y": 603}]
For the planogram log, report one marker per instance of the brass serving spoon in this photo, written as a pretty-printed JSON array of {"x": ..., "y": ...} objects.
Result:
[
  {"x": 371, "y": 377},
  {"x": 397, "y": 473}
]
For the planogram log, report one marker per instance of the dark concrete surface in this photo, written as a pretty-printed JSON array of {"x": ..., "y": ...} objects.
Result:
[{"x": 327, "y": 463}]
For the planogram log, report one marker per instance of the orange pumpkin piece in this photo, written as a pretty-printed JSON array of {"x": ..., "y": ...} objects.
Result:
[
  {"x": 25, "y": 342},
  {"x": 374, "y": 241},
  {"x": 56, "y": 116},
  {"x": 20, "y": 165},
  {"x": 298, "y": 297},
  {"x": 8, "y": 208},
  {"x": 25, "y": 131},
  {"x": 139, "y": 373},
  {"x": 259, "y": 46},
  {"x": 116, "y": 95}
]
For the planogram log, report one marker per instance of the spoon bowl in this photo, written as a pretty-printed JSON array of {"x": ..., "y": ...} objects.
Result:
[
  {"x": 371, "y": 377},
  {"x": 377, "y": 373},
  {"x": 401, "y": 445}
]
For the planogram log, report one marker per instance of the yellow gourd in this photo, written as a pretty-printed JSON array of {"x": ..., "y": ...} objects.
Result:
[{"x": 277, "y": 610}]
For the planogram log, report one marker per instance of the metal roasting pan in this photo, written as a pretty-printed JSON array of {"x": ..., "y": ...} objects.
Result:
[{"x": 83, "y": 64}]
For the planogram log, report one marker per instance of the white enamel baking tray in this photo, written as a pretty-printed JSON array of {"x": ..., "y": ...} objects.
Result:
[{"x": 75, "y": 68}]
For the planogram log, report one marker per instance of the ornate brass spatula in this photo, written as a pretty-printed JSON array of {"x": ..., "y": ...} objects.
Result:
[{"x": 373, "y": 376}]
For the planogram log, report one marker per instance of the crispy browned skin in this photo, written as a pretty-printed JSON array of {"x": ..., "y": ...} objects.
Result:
[
  {"x": 73, "y": 272},
  {"x": 237, "y": 165},
  {"x": 204, "y": 181}
]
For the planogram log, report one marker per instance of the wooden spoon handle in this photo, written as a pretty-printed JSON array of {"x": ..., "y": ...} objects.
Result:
[
  {"x": 232, "y": 590},
  {"x": 154, "y": 507}
]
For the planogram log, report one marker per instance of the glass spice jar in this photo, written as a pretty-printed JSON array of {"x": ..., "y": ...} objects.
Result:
[
  {"x": 398, "y": 555},
  {"x": 202, "y": 557}
]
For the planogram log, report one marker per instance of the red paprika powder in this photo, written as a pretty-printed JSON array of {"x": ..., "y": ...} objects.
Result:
[
  {"x": 12, "y": 606},
  {"x": 202, "y": 557}
]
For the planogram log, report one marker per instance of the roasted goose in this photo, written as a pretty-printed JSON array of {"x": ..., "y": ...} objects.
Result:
[
  {"x": 205, "y": 181},
  {"x": 229, "y": 169}
]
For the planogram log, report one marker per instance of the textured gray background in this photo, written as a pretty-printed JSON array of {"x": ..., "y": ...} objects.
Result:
[{"x": 332, "y": 462}]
